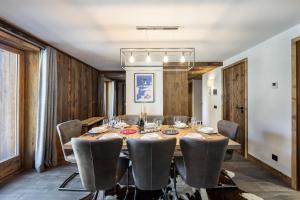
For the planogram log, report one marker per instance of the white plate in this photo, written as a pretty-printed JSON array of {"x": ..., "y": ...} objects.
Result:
[
  {"x": 99, "y": 129},
  {"x": 181, "y": 125},
  {"x": 195, "y": 136},
  {"x": 151, "y": 136},
  {"x": 119, "y": 125},
  {"x": 207, "y": 130},
  {"x": 110, "y": 136}
]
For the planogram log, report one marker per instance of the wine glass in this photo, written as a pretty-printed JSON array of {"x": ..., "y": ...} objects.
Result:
[
  {"x": 193, "y": 123},
  {"x": 105, "y": 123},
  {"x": 156, "y": 124}
]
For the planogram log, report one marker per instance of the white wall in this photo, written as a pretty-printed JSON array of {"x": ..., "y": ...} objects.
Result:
[
  {"x": 197, "y": 99},
  {"x": 269, "y": 114},
  {"x": 211, "y": 115},
  {"x": 155, "y": 108}
]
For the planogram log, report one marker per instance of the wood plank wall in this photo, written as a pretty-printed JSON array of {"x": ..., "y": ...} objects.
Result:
[
  {"x": 30, "y": 108},
  {"x": 176, "y": 93},
  {"x": 78, "y": 91}
]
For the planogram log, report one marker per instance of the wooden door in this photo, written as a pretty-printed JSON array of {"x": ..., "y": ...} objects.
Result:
[
  {"x": 11, "y": 106},
  {"x": 298, "y": 114},
  {"x": 176, "y": 97},
  {"x": 235, "y": 99}
]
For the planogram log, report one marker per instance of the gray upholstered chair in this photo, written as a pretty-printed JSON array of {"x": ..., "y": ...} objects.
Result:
[
  {"x": 99, "y": 163},
  {"x": 66, "y": 131},
  {"x": 169, "y": 119},
  {"x": 153, "y": 118},
  {"x": 230, "y": 130},
  {"x": 130, "y": 119},
  {"x": 201, "y": 164},
  {"x": 151, "y": 161}
]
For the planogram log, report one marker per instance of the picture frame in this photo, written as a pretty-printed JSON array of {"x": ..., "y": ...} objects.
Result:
[{"x": 143, "y": 87}]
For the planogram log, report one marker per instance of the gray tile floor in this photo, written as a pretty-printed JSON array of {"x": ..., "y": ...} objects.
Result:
[{"x": 31, "y": 185}]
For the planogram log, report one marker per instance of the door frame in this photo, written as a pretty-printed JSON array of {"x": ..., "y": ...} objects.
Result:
[
  {"x": 245, "y": 61},
  {"x": 295, "y": 166},
  {"x": 10, "y": 164}
]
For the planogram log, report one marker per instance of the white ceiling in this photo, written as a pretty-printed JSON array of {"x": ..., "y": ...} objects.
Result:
[{"x": 95, "y": 30}]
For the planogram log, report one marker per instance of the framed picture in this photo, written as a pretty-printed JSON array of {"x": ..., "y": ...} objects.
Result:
[{"x": 144, "y": 87}]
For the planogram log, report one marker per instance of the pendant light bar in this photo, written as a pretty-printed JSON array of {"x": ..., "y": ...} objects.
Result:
[{"x": 157, "y": 57}]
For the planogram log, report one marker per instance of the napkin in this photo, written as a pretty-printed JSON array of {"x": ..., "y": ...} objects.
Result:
[
  {"x": 151, "y": 136},
  {"x": 195, "y": 136},
  {"x": 110, "y": 136}
]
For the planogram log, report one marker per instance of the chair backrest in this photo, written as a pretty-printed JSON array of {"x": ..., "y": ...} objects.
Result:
[
  {"x": 203, "y": 160},
  {"x": 151, "y": 161},
  {"x": 97, "y": 162},
  {"x": 130, "y": 119},
  {"x": 169, "y": 119},
  {"x": 66, "y": 131},
  {"x": 152, "y": 118},
  {"x": 228, "y": 129}
]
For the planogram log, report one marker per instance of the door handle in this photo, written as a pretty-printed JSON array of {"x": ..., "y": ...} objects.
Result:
[{"x": 240, "y": 108}]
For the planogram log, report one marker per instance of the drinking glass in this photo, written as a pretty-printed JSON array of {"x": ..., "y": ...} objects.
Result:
[
  {"x": 105, "y": 123},
  {"x": 157, "y": 124},
  {"x": 193, "y": 123}
]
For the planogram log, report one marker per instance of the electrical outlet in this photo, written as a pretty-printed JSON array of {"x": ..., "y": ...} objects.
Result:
[{"x": 274, "y": 157}]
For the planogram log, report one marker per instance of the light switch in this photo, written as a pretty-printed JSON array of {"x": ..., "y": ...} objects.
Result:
[{"x": 275, "y": 85}]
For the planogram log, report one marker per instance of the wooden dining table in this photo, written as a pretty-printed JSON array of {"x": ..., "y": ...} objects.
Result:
[{"x": 181, "y": 133}]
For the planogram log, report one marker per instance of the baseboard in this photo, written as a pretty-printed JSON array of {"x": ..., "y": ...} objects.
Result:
[
  {"x": 273, "y": 171},
  {"x": 10, "y": 176}
]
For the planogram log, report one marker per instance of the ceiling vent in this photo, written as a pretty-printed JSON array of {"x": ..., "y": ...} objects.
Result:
[{"x": 165, "y": 28}]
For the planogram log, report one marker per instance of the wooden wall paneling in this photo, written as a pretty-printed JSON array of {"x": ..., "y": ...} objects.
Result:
[
  {"x": 298, "y": 111},
  {"x": 78, "y": 91},
  {"x": 101, "y": 94},
  {"x": 30, "y": 109},
  {"x": 175, "y": 89}
]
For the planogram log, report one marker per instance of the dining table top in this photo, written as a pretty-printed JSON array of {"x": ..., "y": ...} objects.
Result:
[{"x": 181, "y": 133}]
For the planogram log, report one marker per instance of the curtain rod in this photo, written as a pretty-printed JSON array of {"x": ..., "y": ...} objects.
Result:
[
  {"x": 20, "y": 34},
  {"x": 22, "y": 38}
]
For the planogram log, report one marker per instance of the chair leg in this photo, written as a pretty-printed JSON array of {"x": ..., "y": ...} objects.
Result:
[
  {"x": 203, "y": 194},
  {"x": 127, "y": 187},
  {"x": 174, "y": 181},
  {"x": 62, "y": 187},
  {"x": 165, "y": 194},
  {"x": 230, "y": 185},
  {"x": 135, "y": 193},
  {"x": 96, "y": 195}
]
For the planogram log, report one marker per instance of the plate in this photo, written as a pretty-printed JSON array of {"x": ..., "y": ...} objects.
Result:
[
  {"x": 118, "y": 126},
  {"x": 128, "y": 131},
  {"x": 96, "y": 130},
  {"x": 170, "y": 132},
  {"x": 181, "y": 126},
  {"x": 206, "y": 130}
]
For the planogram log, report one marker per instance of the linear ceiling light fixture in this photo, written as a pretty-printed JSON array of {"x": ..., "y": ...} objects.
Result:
[
  {"x": 164, "y": 28},
  {"x": 174, "y": 58}
]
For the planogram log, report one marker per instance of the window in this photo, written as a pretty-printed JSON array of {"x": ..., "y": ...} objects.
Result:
[{"x": 11, "y": 99}]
